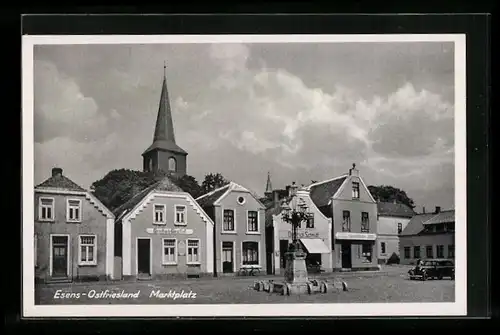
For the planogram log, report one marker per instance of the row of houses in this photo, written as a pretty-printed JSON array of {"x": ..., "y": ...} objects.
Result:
[{"x": 163, "y": 231}]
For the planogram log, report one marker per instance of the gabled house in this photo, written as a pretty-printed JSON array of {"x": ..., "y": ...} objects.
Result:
[
  {"x": 353, "y": 210},
  {"x": 428, "y": 235},
  {"x": 314, "y": 235},
  {"x": 162, "y": 232},
  {"x": 392, "y": 220},
  {"x": 73, "y": 232},
  {"x": 239, "y": 234}
]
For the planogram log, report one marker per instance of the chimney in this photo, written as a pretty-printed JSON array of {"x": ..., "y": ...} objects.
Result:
[
  {"x": 292, "y": 189},
  {"x": 56, "y": 172},
  {"x": 438, "y": 209},
  {"x": 423, "y": 209},
  {"x": 353, "y": 171}
]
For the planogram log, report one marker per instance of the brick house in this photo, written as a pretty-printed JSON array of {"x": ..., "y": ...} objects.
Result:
[
  {"x": 428, "y": 235},
  {"x": 239, "y": 231},
  {"x": 73, "y": 232}
]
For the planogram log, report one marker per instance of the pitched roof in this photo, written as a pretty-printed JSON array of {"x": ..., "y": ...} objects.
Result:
[
  {"x": 396, "y": 210},
  {"x": 165, "y": 184},
  {"x": 415, "y": 225},
  {"x": 322, "y": 192},
  {"x": 210, "y": 198},
  {"x": 442, "y": 217},
  {"x": 164, "y": 137},
  {"x": 60, "y": 182}
]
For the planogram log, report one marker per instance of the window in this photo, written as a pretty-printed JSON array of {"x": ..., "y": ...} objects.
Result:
[
  {"x": 172, "y": 164},
  {"x": 365, "y": 222},
  {"x": 366, "y": 253},
  {"x": 355, "y": 190},
  {"x": 159, "y": 214},
  {"x": 346, "y": 222},
  {"x": 382, "y": 247},
  {"x": 429, "y": 253},
  {"x": 241, "y": 200},
  {"x": 450, "y": 227},
  {"x": 169, "y": 251},
  {"x": 451, "y": 251},
  {"x": 180, "y": 215},
  {"x": 407, "y": 252},
  {"x": 416, "y": 252},
  {"x": 440, "y": 251},
  {"x": 46, "y": 209},
  {"x": 252, "y": 221},
  {"x": 228, "y": 224},
  {"x": 193, "y": 252},
  {"x": 88, "y": 250},
  {"x": 250, "y": 253},
  {"x": 400, "y": 228},
  {"x": 74, "y": 209},
  {"x": 310, "y": 221}
]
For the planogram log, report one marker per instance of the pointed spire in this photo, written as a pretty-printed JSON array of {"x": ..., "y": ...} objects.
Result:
[
  {"x": 164, "y": 130},
  {"x": 269, "y": 187}
]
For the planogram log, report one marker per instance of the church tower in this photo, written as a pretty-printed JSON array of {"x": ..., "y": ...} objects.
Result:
[
  {"x": 164, "y": 154},
  {"x": 269, "y": 187}
]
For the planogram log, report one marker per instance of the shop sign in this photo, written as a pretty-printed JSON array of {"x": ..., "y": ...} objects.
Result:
[
  {"x": 169, "y": 231},
  {"x": 355, "y": 236},
  {"x": 300, "y": 234}
]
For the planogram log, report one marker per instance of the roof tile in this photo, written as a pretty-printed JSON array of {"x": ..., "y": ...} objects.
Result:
[
  {"x": 396, "y": 210},
  {"x": 321, "y": 193},
  {"x": 60, "y": 182}
]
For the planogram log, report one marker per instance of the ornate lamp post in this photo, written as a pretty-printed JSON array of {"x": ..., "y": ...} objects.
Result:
[{"x": 296, "y": 270}]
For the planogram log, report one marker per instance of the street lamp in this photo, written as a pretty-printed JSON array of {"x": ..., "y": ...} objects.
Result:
[{"x": 295, "y": 215}]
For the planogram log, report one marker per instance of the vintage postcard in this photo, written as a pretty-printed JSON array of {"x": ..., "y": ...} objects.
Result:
[{"x": 244, "y": 175}]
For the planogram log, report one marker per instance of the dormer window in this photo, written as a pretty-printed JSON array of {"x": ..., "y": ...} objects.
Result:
[
  {"x": 159, "y": 214},
  {"x": 355, "y": 190}
]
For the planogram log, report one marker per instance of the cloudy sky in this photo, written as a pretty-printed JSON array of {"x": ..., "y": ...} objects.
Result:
[{"x": 301, "y": 111}]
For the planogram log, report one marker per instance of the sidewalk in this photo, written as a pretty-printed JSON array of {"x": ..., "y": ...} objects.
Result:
[{"x": 391, "y": 270}]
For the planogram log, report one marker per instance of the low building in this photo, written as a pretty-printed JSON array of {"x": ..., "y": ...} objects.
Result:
[
  {"x": 239, "y": 234},
  {"x": 429, "y": 235},
  {"x": 353, "y": 210},
  {"x": 162, "y": 232},
  {"x": 392, "y": 220},
  {"x": 73, "y": 232},
  {"x": 314, "y": 235}
]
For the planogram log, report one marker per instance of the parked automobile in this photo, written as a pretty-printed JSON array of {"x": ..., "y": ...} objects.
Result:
[{"x": 433, "y": 269}]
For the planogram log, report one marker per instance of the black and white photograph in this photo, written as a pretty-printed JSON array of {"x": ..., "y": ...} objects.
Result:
[{"x": 244, "y": 175}]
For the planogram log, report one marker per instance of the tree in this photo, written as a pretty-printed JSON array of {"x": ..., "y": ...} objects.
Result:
[
  {"x": 386, "y": 193},
  {"x": 213, "y": 181},
  {"x": 119, "y": 186}
]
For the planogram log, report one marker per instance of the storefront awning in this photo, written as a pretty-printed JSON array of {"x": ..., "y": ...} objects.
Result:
[{"x": 315, "y": 246}]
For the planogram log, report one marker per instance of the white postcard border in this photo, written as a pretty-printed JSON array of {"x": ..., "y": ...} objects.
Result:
[{"x": 459, "y": 307}]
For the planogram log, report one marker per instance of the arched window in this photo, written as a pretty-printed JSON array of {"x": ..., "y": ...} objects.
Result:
[
  {"x": 172, "y": 164},
  {"x": 150, "y": 164}
]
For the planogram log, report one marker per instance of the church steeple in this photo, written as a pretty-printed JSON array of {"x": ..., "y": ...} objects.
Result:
[
  {"x": 164, "y": 153},
  {"x": 269, "y": 186}
]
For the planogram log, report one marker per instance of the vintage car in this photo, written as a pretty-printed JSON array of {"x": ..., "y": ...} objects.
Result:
[{"x": 433, "y": 269}]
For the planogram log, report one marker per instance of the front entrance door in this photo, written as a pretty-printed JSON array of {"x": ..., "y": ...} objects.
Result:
[
  {"x": 59, "y": 256},
  {"x": 227, "y": 257},
  {"x": 346, "y": 256},
  {"x": 143, "y": 256}
]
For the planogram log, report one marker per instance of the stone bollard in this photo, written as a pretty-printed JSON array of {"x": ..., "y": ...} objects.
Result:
[
  {"x": 344, "y": 286},
  {"x": 323, "y": 287},
  {"x": 310, "y": 288},
  {"x": 271, "y": 287},
  {"x": 286, "y": 289}
]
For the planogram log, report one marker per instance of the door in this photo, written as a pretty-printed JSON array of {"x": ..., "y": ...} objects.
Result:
[
  {"x": 227, "y": 257},
  {"x": 283, "y": 250},
  {"x": 60, "y": 256},
  {"x": 143, "y": 256},
  {"x": 346, "y": 256}
]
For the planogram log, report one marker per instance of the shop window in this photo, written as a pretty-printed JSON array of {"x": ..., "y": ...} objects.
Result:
[
  {"x": 250, "y": 253},
  {"x": 366, "y": 253}
]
